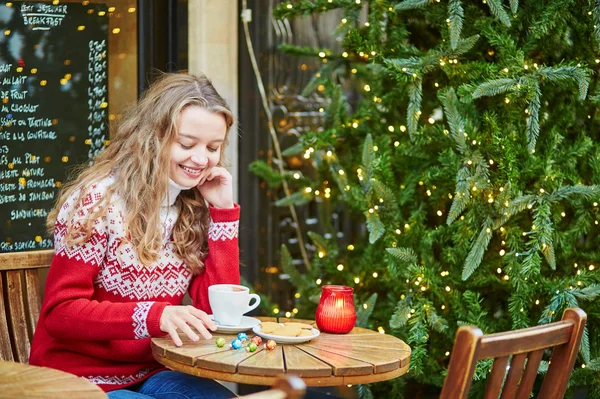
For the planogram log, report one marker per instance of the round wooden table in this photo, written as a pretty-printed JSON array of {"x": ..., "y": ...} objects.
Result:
[
  {"x": 19, "y": 380},
  {"x": 359, "y": 357}
]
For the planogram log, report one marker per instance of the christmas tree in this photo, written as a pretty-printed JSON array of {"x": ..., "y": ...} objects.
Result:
[{"x": 463, "y": 136}]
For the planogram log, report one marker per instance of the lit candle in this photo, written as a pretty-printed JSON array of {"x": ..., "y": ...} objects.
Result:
[{"x": 336, "y": 312}]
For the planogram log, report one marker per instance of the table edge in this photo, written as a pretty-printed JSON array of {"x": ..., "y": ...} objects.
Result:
[{"x": 270, "y": 380}]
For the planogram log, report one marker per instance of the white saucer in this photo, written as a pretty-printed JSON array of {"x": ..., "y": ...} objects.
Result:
[
  {"x": 280, "y": 339},
  {"x": 246, "y": 324}
]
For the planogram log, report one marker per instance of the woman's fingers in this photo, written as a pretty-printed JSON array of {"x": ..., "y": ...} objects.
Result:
[
  {"x": 183, "y": 318},
  {"x": 174, "y": 335},
  {"x": 183, "y": 324},
  {"x": 208, "y": 322},
  {"x": 192, "y": 320},
  {"x": 217, "y": 172}
]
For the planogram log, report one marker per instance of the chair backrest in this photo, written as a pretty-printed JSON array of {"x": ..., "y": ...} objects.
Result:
[
  {"x": 20, "y": 302},
  {"x": 286, "y": 387},
  {"x": 525, "y": 348}
]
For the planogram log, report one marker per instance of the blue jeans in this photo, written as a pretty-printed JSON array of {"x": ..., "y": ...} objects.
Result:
[{"x": 174, "y": 385}]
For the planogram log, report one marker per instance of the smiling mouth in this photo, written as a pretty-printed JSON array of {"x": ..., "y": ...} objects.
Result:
[{"x": 191, "y": 171}]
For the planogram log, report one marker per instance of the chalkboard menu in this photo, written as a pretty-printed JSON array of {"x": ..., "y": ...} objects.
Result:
[{"x": 53, "y": 108}]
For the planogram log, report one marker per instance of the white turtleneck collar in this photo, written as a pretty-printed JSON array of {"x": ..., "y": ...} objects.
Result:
[{"x": 174, "y": 190}]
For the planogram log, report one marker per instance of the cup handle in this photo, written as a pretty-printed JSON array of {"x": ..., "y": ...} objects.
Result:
[{"x": 255, "y": 304}]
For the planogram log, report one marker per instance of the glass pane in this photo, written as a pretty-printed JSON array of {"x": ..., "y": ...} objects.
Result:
[{"x": 68, "y": 70}]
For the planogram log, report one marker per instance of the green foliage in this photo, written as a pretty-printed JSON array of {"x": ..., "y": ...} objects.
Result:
[
  {"x": 265, "y": 172},
  {"x": 364, "y": 312},
  {"x": 455, "y": 16},
  {"x": 469, "y": 172}
]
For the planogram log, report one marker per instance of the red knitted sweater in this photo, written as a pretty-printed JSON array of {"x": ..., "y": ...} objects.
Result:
[{"x": 101, "y": 306}]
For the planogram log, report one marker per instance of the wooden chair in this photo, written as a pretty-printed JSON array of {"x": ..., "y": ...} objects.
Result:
[
  {"x": 470, "y": 346},
  {"x": 20, "y": 301},
  {"x": 286, "y": 387}
]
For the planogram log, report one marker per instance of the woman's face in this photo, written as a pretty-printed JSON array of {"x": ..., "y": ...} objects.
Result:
[{"x": 197, "y": 148}]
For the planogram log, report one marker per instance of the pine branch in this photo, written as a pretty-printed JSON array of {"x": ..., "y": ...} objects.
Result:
[
  {"x": 532, "y": 264},
  {"x": 596, "y": 15},
  {"x": 434, "y": 320},
  {"x": 414, "y": 107},
  {"x": 405, "y": 66},
  {"x": 406, "y": 255},
  {"x": 297, "y": 198},
  {"x": 401, "y": 313},
  {"x": 325, "y": 72},
  {"x": 413, "y": 4},
  {"x": 418, "y": 338},
  {"x": 567, "y": 192},
  {"x": 514, "y": 6},
  {"x": 588, "y": 293},
  {"x": 517, "y": 305},
  {"x": 481, "y": 176},
  {"x": 289, "y": 269},
  {"x": 455, "y": 121},
  {"x": 337, "y": 108},
  {"x": 553, "y": 15},
  {"x": 477, "y": 250},
  {"x": 463, "y": 46},
  {"x": 368, "y": 155},
  {"x": 585, "y": 345},
  {"x": 508, "y": 51},
  {"x": 456, "y": 15},
  {"x": 514, "y": 207},
  {"x": 560, "y": 301},
  {"x": 497, "y": 9},
  {"x": 322, "y": 244},
  {"x": 340, "y": 178},
  {"x": 293, "y": 149},
  {"x": 461, "y": 196},
  {"x": 533, "y": 122},
  {"x": 578, "y": 75},
  {"x": 264, "y": 171},
  {"x": 364, "y": 313},
  {"x": 385, "y": 193},
  {"x": 544, "y": 227},
  {"x": 364, "y": 392},
  {"x": 548, "y": 252},
  {"x": 471, "y": 312},
  {"x": 375, "y": 226},
  {"x": 303, "y": 50},
  {"x": 494, "y": 87}
]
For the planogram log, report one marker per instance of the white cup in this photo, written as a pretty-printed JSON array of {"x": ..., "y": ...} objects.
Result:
[{"x": 229, "y": 302}]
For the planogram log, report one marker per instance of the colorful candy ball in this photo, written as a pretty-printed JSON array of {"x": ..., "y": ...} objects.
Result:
[
  {"x": 257, "y": 340},
  {"x": 270, "y": 345},
  {"x": 236, "y": 344},
  {"x": 220, "y": 342},
  {"x": 251, "y": 347},
  {"x": 242, "y": 337}
]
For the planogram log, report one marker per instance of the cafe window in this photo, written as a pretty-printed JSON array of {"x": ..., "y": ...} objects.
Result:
[{"x": 69, "y": 69}]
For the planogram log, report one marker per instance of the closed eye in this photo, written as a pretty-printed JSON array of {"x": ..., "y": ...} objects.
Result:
[
  {"x": 211, "y": 149},
  {"x": 185, "y": 147}
]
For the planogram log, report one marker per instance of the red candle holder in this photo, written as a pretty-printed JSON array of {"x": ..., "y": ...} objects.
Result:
[{"x": 336, "y": 313}]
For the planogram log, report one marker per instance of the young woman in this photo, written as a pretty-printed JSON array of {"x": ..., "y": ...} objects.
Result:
[{"x": 151, "y": 219}]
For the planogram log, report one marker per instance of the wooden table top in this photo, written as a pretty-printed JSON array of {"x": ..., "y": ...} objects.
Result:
[
  {"x": 359, "y": 357},
  {"x": 19, "y": 380}
]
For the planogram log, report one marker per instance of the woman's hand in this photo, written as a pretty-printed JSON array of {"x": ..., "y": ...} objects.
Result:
[
  {"x": 217, "y": 188},
  {"x": 182, "y": 317}
]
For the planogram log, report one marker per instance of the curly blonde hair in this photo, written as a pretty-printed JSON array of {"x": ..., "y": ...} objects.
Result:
[{"x": 140, "y": 153}]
